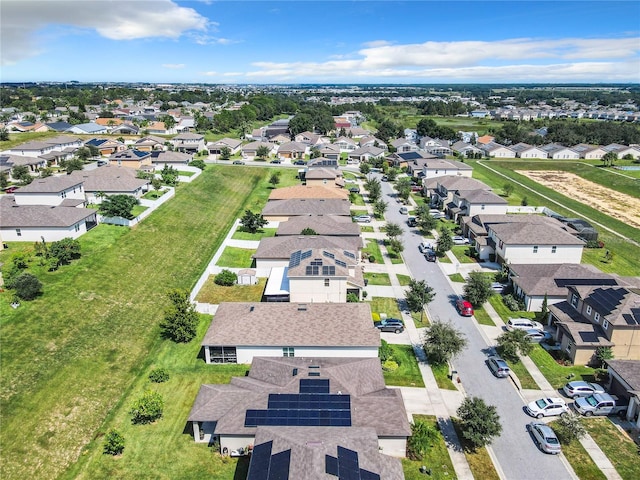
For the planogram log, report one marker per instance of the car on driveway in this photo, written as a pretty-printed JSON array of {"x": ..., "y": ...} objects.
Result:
[
  {"x": 544, "y": 437},
  {"x": 276, "y": 160},
  {"x": 458, "y": 240},
  {"x": 299, "y": 162},
  {"x": 498, "y": 366},
  {"x": 523, "y": 324},
  {"x": 537, "y": 336},
  {"x": 579, "y": 388},
  {"x": 546, "y": 407},
  {"x": 362, "y": 218},
  {"x": 464, "y": 307},
  {"x": 394, "y": 325},
  {"x": 498, "y": 287},
  {"x": 238, "y": 162},
  {"x": 354, "y": 189}
]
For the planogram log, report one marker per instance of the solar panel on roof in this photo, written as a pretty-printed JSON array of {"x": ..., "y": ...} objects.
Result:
[
  {"x": 294, "y": 261},
  {"x": 279, "y": 467},
  {"x": 260, "y": 459},
  {"x": 564, "y": 282},
  {"x": 341, "y": 263},
  {"x": 328, "y": 254},
  {"x": 346, "y": 466},
  {"x": 305, "y": 254},
  {"x": 349, "y": 254}
]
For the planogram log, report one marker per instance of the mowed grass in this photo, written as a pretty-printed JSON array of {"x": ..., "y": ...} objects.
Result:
[
  {"x": 70, "y": 356},
  {"x": 441, "y": 374},
  {"x": 403, "y": 279},
  {"x": 436, "y": 459},
  {"x": 240, "y": 234},
  {"x": 581, "y": 462},
  {"x": 408, "y": 373},
  {"x": 558, "y": 375},
  {"x": 374, "y": 278},
  {"x": 234, "y": 257},
  {"x": 216, "y": 294},
  {"x": 482, "y": 317},
  {"x": 372, "y": 249},
  {"x": 526, "y": 380},
  {"x": 504, "y": 312},
  {"x": 617, "y": 446},
  {"x": 386, "y": 305}
]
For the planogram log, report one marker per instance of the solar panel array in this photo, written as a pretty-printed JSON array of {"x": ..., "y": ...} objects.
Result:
[
  {"x": 346, "y": 466},
  {"x": 564, "y": 282},
  {"x": 265, "y": 466},
  {"x": 313, "y": 406},
  {"x": 349, "y": 254},
  {"x": 608, "y": 298},
  {"x": 297, "y": 256}
]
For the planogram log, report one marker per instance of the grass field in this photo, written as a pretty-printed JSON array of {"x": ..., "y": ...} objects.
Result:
[
  {"x": 437, "y": 458},
  {"x": 215, "y": 294},
  {"x": 408, "y": 373},
  {"x": 234, "y": 257},
  {"x": 581, "y": 462},
  {"x": 618, "y": 447},
  {"x": 441, "y": 373},
  {"x": 482, "y": 317},
  {"x": 240, "y": 234},
  {"x": 558, "y": 375},
  {"x": 374, "y": 278},
  {"x": 403, "y": 279},
  {"x": 70, "y": 357},
  {"x": 526, "y": 380},
  {"x": 372, "y": 249}
]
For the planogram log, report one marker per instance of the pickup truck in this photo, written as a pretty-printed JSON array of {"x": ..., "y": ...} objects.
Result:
[{"x": 600, "y": 404}]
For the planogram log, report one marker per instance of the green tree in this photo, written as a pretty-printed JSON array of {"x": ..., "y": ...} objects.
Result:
[
  {"x": 147, "y": 409},
  {"x": 226, "y": 278},
  {"x": 392, "y": 230},
  {"x": 445, "y": 242},
  {"x": 4, "y": 180},
  {"x": 603, "y": 354},
  {"x": 374, "y": 188},
  {"x": 73, "y": 165},
  {"x": 113, "y": 443},
  {"x": 479, "y": 422},
  {"x": 118, "y": 206},
  {"x": 169, "y": 175},
  {"x": 569, "y": 427},
  {"x": 609, "y": 159},
  {"x": 156, "y": 183},
  {"x": 262, "y": 152},
  {"x": 21, "y": 174},
  {"x": 392, "y": 174},
  {"x": 513, "y": 344},
  {"x": 65, "y": 250},
  {"x": 274, "y": 179},
  {"x": 508, "y": 188},
  {"x": 379, "y": 207},
  {"x": 442, "y": 342},
  {"x": 180, "y": 318},
  {"x": 4, "y": 135},
  {"x": 525, "y": 201},
  {"x": 308, "y": 231},
  {"x": 418, "y": 295},
  {"x": 169, "y": 122},
  {"x": 542, "y": 315},
  {"x": 403, "y": 187},
  {"x": 225, "y": 153},
  {"x": 252, "y": 222},
  {"x": 365, "y": 168},
  {"x": 198, "y": 163},
  {"x": 396, "y": 246},
  {"x": 27, "y": 286},
  {"x": 425, "y": 220},
  {"x": 423, "y": 435},
  {"x": 478, "y": 288}
]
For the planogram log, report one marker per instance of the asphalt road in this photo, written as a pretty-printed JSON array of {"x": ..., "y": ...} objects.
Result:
[{"x": 516, "y": 453}]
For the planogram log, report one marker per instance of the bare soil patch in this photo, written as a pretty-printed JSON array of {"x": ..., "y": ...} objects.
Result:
[{"x": 615, "y": 204}]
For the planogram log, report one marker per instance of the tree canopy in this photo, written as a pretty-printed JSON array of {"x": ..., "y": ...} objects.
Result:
[
  {"x": 180, "y": 317},
  {"x": 442, "y": 342},
  {"x": 252, "y": 222},
  {"x": 118, "y": 206},
  {"x": 480, "y": 422},
  {"x": 478, "y": 288}
]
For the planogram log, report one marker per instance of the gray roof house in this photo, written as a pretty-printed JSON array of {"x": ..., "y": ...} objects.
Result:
[
  {"x": 308, "y": 394},
  {"x": 276, "y": 251},
  {"x": 110, "y": 180},
  {"x": 281, "y": 210},
  {"x": 334, "y": 226},
  {"x": 50, "y": 191},
  {"x": 624, "y": 381},
  {"x": 241, "y": 331}
]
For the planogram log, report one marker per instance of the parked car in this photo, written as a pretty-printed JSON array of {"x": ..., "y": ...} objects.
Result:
[
  {"x": 498, "y": 287},
  {"x": 424, "y": 246},
  {"x": 498, "y": 366},
  {"x": 412, "y": 222},
  {"x": 430, "y": 255},
  {"x": 362, "y": 218},
  {"x": 544, "y": 437},
  {"x": 390, "y": 325},
  {"x": 458, "y": 240},
  {"x": 404, "y": 210},
  {"x": 535, "y": 335},
  {"x": 385, "y": 178},
  {"x": 546, "y": 407},
  {"x": 299, "y": 162},
  {"x": 523, "y": 324},
  {"x": 276, "y": 160},
  {"x": 464, "y": 307},
  {"x": 579, "y": 388},
  {"x": 416, "y": 188},
  {"x": 600, "y": 404},
  {"x": 10, "y": 189},
  {"x": 238, "y": 162},
  {"x": 102, "y": 163},
  {"x": 354, "y": 189}
]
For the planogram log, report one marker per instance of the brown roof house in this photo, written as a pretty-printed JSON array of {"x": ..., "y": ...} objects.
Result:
[
  {"x": 241, "y": 331},
  {"x": 317, "y": 175},
  {"x": 309, "y": 191},
  {"x": 282, "y": 210},
  {"x": 600, "y": 316},
  {"x": 308, "y": 394}
]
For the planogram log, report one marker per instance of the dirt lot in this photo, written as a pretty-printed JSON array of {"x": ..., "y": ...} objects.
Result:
[{"x": 617, "y": 205}]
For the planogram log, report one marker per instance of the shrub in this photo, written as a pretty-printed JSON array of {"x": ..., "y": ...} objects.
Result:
[
  {"x": 226, "y": 278},
  {"x": 352, "y": 298},
  {"x": 198, "y": 164},
  {"x": 385, "y": 351},
  {"x": 158, "y": 375},
  {"x": 594, "y": 244},
  {"x": 569, "y": 428},
  {"x": 372, "y": 259},
  {"x": 512, "y": 303},
  {"x": 27, "y": 286},
  {"x": 422, "y": 437},
  {"x": 147, "y": 408},
  {"x": 113, "y": 443},
  {"x": 65, "y": 250},
  {"x": 390, "y": 366}
]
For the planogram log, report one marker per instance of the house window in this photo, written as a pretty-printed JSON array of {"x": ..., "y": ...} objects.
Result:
[
  {"x": 18, "y": 232},
  {"x": 605, "y": 325},
  {"x": 588, "y": 310},
  {"x": 481, "y": 207},
  {"x": 569, "y": 347},
  {"x": 288, "y": 352},
  {"x": 326, "y": 282},
  {"x": 77, "y": 227},
  {"x": 596, "y": 317},
  {"x": 574, "y": 300},
  {"x": 535, "y": 249},
  {"x": 223, "y": 355},
  {"x": 554, "y": 249}
]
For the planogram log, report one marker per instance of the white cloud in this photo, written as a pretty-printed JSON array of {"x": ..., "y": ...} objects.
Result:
[
  {"x": 173, "y": 65},
  {"x": 376, "y": 43},
  {"x": 210, "y": 74},
  {"x": 120, "y": 20}
]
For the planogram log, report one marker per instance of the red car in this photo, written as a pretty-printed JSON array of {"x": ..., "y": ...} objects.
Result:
[
  {"x": 464, "y": 308},
  {"x": 10, "y": 189}
]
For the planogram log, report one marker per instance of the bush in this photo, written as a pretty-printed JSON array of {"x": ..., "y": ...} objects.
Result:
[
  {"x": 569, "y": 428},
  {"x": 147, "y": 408},
  {"x": 594, "y": 244},
  {"x": 352, "y": 298},
  {"x": 27, "y": 286},
  {"x": 372, "y": 259},
  {"x": 226, "y": 278},
  {"x": 198, "y": 164},
  {"x": 390, "y": 366},
  {"x": 159, "y": 375},
  {"x": 113, "y": 443},
  {"x": 513, "y": 303},
  {"x": 385, "y": 351},
  {"x": 65, "y": 250},
  {"x": 423, "y": 434}
]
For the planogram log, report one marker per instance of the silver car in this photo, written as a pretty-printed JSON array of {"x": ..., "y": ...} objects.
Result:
[
  {"x": 579, "y": 388},
  {"x": 544, "y": 437}
]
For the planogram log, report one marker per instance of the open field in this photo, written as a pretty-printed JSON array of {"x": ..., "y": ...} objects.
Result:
[
  {"x": 615, "y": 204},
  {"x": 71, "y": 356}
]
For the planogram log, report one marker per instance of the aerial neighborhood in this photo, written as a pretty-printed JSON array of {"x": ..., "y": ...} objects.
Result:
[{"x": 326, "y": 253}]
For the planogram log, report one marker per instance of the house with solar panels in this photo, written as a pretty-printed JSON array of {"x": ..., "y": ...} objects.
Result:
[
  {"x": 598, "y": 316},
  {"x": 304, "y": 397},
  {"x": 241, "y": 331}
]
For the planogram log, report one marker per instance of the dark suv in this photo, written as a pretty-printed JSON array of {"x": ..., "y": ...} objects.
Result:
[
  {"x": 498, "y": 366},
  {"x": 390, "y": 325}
]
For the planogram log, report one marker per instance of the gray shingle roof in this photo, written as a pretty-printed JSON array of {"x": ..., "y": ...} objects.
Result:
[
  {"x": 29, "y": 216},
  {"x": 54, "y": 184},
  {"x": 629, "y": 370},
  {"x": 301, "y": 206},
  {"x": 283, "y": 247},
  {"x": 534, "y": 234},
  {"x": 323, "y": 225},
  {"x": 110, "y": 179},
  {"x": 483, "y": 196},
  {"x": 536, "y": 280},
  {"x": 293, "y": 325}
]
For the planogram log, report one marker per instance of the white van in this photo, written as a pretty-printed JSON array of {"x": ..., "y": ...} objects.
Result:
[
  {"x": 404, "y": 210},
  {"x": 523, "y": 324}
]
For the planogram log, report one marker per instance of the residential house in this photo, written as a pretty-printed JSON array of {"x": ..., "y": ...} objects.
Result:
[
  {"x": 280, "y": 138},
  {"x": 623, "y": 150},
  {"x": 58, "y": 126},
  {"x": 309, "y": 191},
  {"x": 473, "y": 202},
  {"x": 441, "y": 189},
  {"x": 534, "y": 243},
  {"x": 353, "y": 390},
  {"x": 274, "y": 252},
  {"x": 589, "y": 152},
  {"x": 466, "y": 149},
  {"x": 322, "y": 225},
  {"x": 278, "y": 127},
  {"x": 131, "y": 159},
  {"x": 88, "y": 129},
  {"x": 435, "y": 146},
  {"x": 241, "y": 331},
  {"x": 624, "y": 382},
  {"x": 125, "y": 129},
  {"x": 34, "y": 164},
  {"x": 402, "y": 145},
  {"x": 33, "y": 223},
  {"x": 309, "y": 138},
  {"x": 160, "y": 158},
  {"x": 149, "y": 143},
  {"x": 324, "y": 163},
  {"x": 556, "y": 151},
  {"x": 23, "y": 127},
  {"x": 524, "y": 150},
  {"x": 485, "y": 139},
  {"x": 110, "y": 180},
  {"x": 51, "y": 191},
  {"x": 371, "y": 141},
  {"x": 319, "y": 176},
  {"x": 403, "y": 159},
  {"x": 282, "y": 210},
  {"x": 357, "y": 132},
  {"x": 293, "y": 150},
  {"x": 106, "y": 146},
  {"x": 534, "y": 282},
  {"x": 493, "y": 149},
  {"x": 437, "y": 168},
  {"x": 156, "y": 128},
  {"x": 330, "y": 152},
  {"x": 215, "y": 148},
  {"x": 364, "y": 154},
  {"x": 345, "y": 144},
  {"x": 598, "y": 316},
  {"x": 62, "y": 146},
  {"x": 250, "y": 150},
  {"x": 189, "y": 142}
]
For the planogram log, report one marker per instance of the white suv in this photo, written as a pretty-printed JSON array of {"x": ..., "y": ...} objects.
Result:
[
  {"x": 546, "y": 407},
  {"x": 523, "y": 324}
]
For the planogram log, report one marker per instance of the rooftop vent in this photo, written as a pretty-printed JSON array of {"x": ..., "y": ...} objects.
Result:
[{"x": 302, "y": 307}]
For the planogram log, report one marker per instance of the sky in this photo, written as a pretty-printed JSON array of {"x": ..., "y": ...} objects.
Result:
[{"x": 290, "y": 42}]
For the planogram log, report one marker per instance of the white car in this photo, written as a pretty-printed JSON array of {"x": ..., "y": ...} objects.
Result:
[
  {"x": 523, "y": 324},
  {"x": 579, "y": 388},
  {"x": 546, "y": 407},
  {"x": 458, "y": 240},
  {"x": 363, "y": 218},
  {"x": 537, "y": 336}
]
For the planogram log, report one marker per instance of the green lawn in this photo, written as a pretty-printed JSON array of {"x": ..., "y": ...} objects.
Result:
[
  {"x": 215, "y": 294},
  {"x": 456, "y": 277},
  {"x": 482, "y": 317},
  {"x": 558, "y": 375},
  {"x": 479, "y": 460},
  {"x": 240, "y": 234},
  {"x": 372, "y": 249},
  {"x": 234, "y": 257},
  {"x": 526, "y": 380},
  {"x": 137, "y": 210},
  {"x": 437, "y": 459},
  {"x": 96, "y": 326},
  {"x": 444, "y": 259},
  {"x": 464, "y": 254},
  {"x": 186, "y": 173},
  {"x": 366, "y": 229},
  {"x": 403, "y": 279},
  {"x": 581, "y": 462},
  {"x": 384, "y": 305},
  {"x": 504, "y": 312},
  {"x": 618, "y": 447},
  {"x": 377, "y": 278},
  {"x": 408, "y": 373},
  {"x": 154, "y": 194},
  {"x": 441, "y": 372},
  {"x": 420, "y": 319},
  {"x": 357, "y": 199}
]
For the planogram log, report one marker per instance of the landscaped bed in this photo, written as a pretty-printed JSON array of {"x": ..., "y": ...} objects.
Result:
[
  {"x": 437, "y": 458},
  {"x": 408, "y": 373}
]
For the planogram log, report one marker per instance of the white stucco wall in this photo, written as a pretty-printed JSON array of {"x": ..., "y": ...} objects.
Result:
[
  {"x": 313, "y": 290},
  {"x": 525, "y": 254},
  {"x": 393, "y": 446},
  {"x": 52, "y": 199},
  {"x": 246, "y": 354},
  {"x": 476, "y": 209},
  {"x": 271, "y": 263},
  {"x": 49, "y": 234},
  {"x": 231, "y": 442}
]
